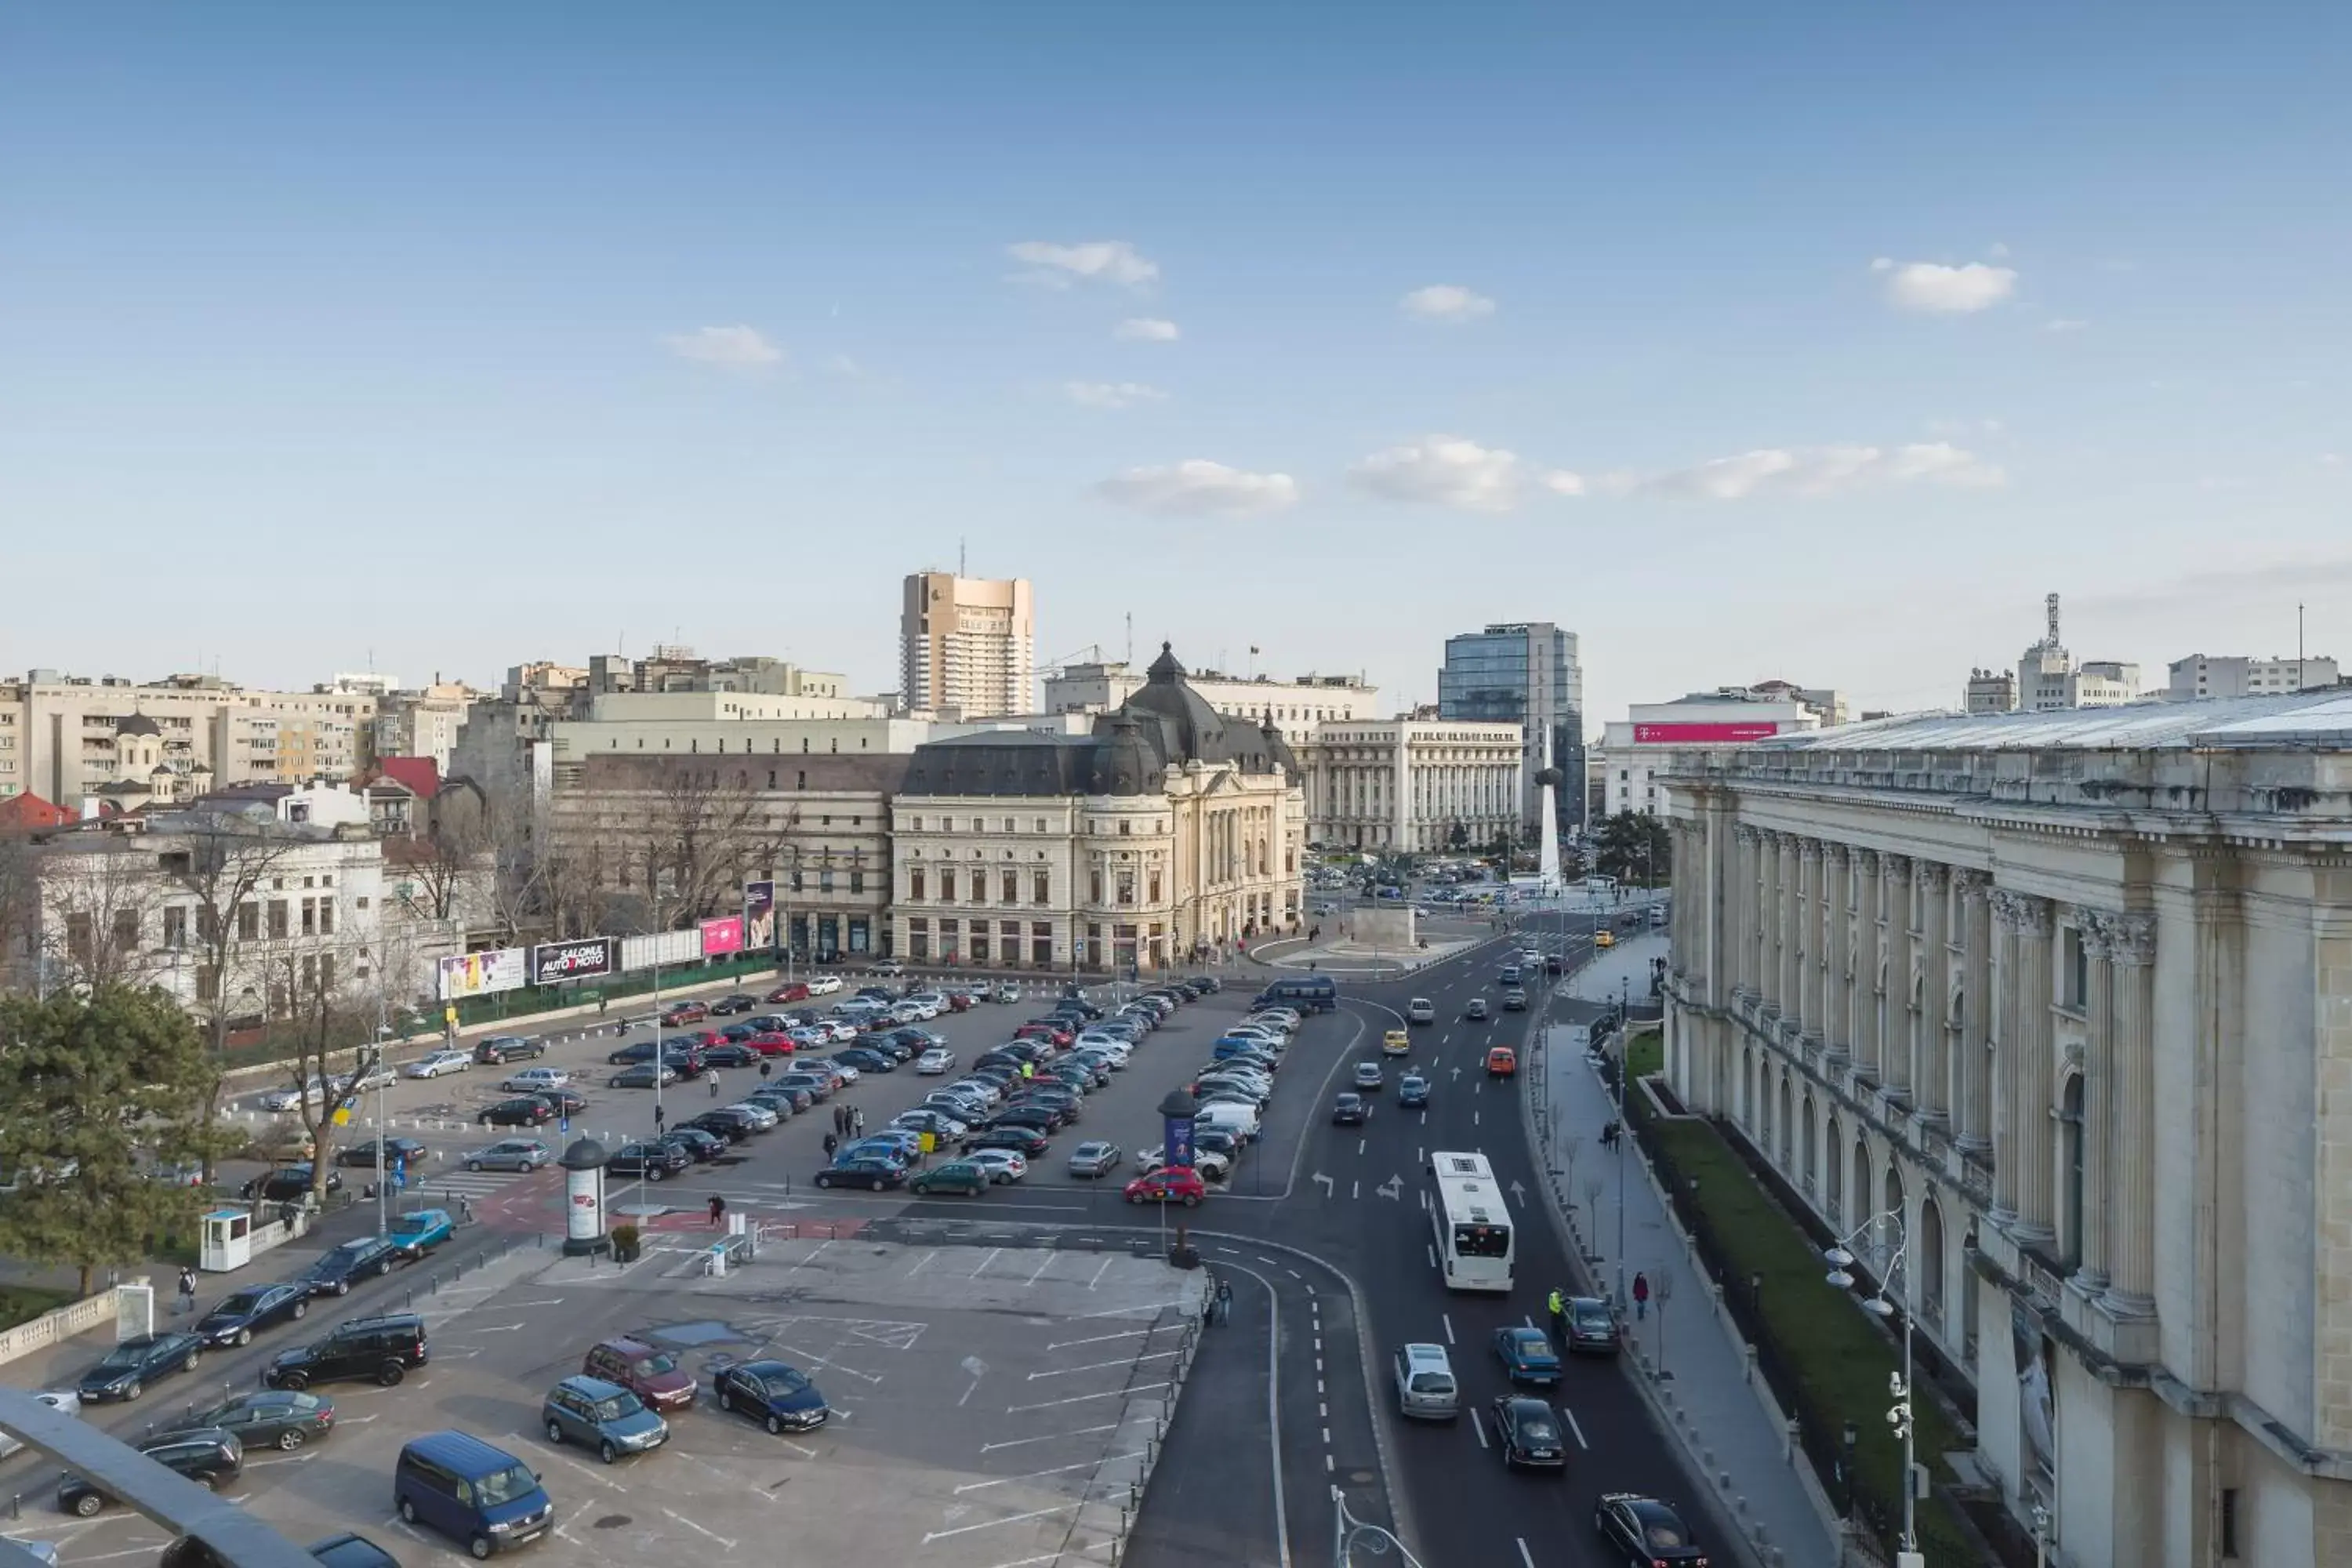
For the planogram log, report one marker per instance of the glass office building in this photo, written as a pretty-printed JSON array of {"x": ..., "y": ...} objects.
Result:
[{"x": 1525, "y": 674}]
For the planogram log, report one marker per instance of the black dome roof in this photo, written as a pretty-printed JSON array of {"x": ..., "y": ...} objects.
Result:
[{"x": 137, "y": 724}]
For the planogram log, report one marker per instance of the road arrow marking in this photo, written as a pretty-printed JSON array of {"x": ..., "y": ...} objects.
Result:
[
  {"x": 1518, "y": 1195},
  {"x": 1392, "y": 1189},
  {"x": 1328, "y": 1184}
]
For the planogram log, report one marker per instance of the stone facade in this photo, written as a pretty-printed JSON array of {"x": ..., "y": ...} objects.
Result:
[
  {"x": 2072, "y": 994},
  {"x": 1409, "y": 783}
]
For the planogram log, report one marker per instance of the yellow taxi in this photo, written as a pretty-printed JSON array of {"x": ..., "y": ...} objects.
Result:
[
  {"x": 1605, "y": 939},
  {"x": 1395, "y": 1043}
]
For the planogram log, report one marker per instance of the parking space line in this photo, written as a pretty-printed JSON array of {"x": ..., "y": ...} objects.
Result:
[
  {"x": 978, "y": 1268},
  {"x": 1047, "y": 1262},
  {"x": 1049, "y": 1437},
  {"x": 1101, "y": 1366},
  {"x": 567, "y": 1463},
  {"x": 923, "y": 1262},
  {"x": 699, "y": 1529},
  {"x": 1056, "y": 1470},
  {"x": 1100, "y": 1273},
  {"x": 930, "y": 1536},
  {"x": 1081, "y": 1398}
]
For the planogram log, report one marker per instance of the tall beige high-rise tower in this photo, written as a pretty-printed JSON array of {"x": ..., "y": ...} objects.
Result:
[{"x": 967, "y": 644}]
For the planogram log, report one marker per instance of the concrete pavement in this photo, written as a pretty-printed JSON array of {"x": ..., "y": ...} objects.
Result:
[{"x": 1690, "y": 1361}]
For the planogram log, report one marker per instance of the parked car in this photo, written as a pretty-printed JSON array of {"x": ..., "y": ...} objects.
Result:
[
  {"x": 345, "y": 1549},
  {"x": 778, "y": 1395},
  {"x": 645, "y": 1074},
  {"x": 271, "y": 1419},
  {"x": 889, "y": 966},
  {"x": 563, "y": 1101},
  {"x": 968, "y": 1177},
  {"x": 601, "y": 1416},
  {"x": 933, "y": 1062},
  {"x": 383, "y": 1349},
  {"x": 207, "y": 1456},
  {"x": 1588, "y": 1326},
  {"x": 288, "y": 1185},
  {"x": 245, "y": 1312},
  {"x": 732, "y": 1054},
  {"x": 684, "y": 1013},
  {"x": 345, "y": 1265},
  {"x": 64, "y": 1401},
  {"x": 704, "y": 1147},
  {"x": 1174, "y": 1183},
  {"x": 740, "y": 1002},
  {"x": 875, "y": 1171},
  {"x": 436, "y": 1063},
  {"x": 419, "y": 1231},
  {"x": 789, "y": 992},
  {"x": 397, "y": 1151},
  {"x": 1094, "y": 1158},
  {"x": 1029, "y": 1142},
  {"x": 292, "y": 1096},
  {"x": 734, "y": 1129},
  {"x": 1213, "y": 1166},
  {"x": 651, "y": 1374},
  {"x": 531, "y": 1081},
  {"x": 508, "y": 1154},
  {"x": 524, "y": 1111},
  {"x": 124, "y": 1371},
  {"x": 1003, "y": 1166},
  {"x": 497, "y": 1050}
]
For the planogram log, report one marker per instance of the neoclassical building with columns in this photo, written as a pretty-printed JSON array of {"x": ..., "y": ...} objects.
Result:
[{"x": 2072, "y": 993}]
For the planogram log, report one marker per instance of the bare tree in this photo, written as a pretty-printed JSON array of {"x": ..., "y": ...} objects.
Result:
[
  {"x": 706, "y": 827},
  {"x": 324, "y": 1034},
  {"x": 106, "y": 920},
  {"x": 20, "y": 885}
]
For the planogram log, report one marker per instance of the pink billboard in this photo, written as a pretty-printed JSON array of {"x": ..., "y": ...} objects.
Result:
[
  {"x": 722, "y": 935},
  {"x": 1701, "y": 734}
]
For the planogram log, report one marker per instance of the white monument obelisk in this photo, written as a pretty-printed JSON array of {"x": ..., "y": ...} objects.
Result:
[{"x": 1548, "y": 878}]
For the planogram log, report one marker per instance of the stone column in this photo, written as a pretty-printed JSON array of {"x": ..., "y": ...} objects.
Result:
[
  {"x": 2037, "y": 1174},
  {"x": 1784, "y": 923},
  {"x": 1975, "y": 1073},
  {"x": 1872, "y": 886},
  {"x": 1897, "y": 1044},
  {"x": 1837, "y": 944},
  {"x": 1808, "y": 956},
  {"x": 1934, "y": 1084},
  {"x": 2131, "y": 952},
  {"x": 2008, "y": 1083},
  {"x": 1750, "y": 911},
  {"x": 2098, "y": 1084}
]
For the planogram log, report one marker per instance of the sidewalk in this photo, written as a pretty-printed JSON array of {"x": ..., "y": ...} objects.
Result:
[{"x": 1690, "y": 1362}]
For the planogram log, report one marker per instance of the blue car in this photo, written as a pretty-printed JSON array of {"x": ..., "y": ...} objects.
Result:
[
  {"x": 1526, "y": 1356},
  {"x": 873, "y": 1169},
  {"x": 1412, "y": 1091},
  {"x": 233, "y": 1322},
  {"x": 775, "y": 1394},
  {"x": 419, "y": 1231},
  {"x": 132, "y": 1365}
]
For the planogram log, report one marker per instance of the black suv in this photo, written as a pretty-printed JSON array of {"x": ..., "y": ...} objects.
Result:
[
  {"x": 383, "y": 1349},
  {"x": 205, "y": 1455},
  {"x": 340, "y": 1267},
  {"x": 501, "y": 1049}
]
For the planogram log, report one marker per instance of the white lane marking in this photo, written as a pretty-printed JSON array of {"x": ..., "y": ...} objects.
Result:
[
  {"x": 1099, "y": 1366},
  {"x": 805, "y": 1451},
  {"x": 1478, "y": 1426},
  {"x": 1105, "y": 1339},
  {"x": 699, "y": 1529},
  {"x": 1354, "y": 1189},
  {"x": 1361, "y": 1144},
  {"x": 1473, "y": 1119},
  {"x": 815, "y": 1360},
  {"x": 1047, "y": 1438},
  {"x": 1431, "y": 1247},
  {"x": 1525, "y": 1556},
  {"x": 1100, "y": 1273},
  {"x": 930, "y": 1536},
  {"x": 1570, "y": 1416},
  {"x": 1448, "y": 1318},
  {"x": 1043, "y": 1265},
  {"x": 1056, "y": 1470},
  {"x": 1081, "y": 1398},
  {"x": 922, "y": 1263}
]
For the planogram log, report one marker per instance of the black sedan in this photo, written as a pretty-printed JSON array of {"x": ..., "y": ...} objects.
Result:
[
  {"x": 777, "y": 1395},
  {"x": 340, "y": 1267},
  {"x": 396, "y": 1152},
  {"x": 1029, "y": 1142},
  {"x": 276, "y": 1418},
  {"x": 651, "y": 1160},
  {"x": 563, "y": 1101},
  {"x": 701, "y": 1146},
  {"x": 288, "y": 1185},
  {"x": 1350, "y": 1110},
  {"x": 245, "y": 1312},
  {"x": 1040, "y": 1118},
  {"x": 523, "y": 1110},
  {"x": 1527, "y": 1433},
  {"x": 873, "y": 1170},
  {"x": 799, "y": 1096},
  {"x": 738, "y": 1003},
  {"x": 1645, "y": 1532},
  {"x": 721, "y": 1123},
  {"x": 731, "y": 1055},
  {"x": 131, "y": 1366},
  {"x": 205, "y": 1455},
  {"x": 865, "y": 1059}
]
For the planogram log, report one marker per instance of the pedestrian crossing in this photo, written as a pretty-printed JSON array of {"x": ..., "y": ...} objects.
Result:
[{"x": 457, "y": 1180}]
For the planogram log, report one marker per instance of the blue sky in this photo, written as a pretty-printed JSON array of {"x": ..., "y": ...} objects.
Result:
[{"x": 1809, "y": 341}]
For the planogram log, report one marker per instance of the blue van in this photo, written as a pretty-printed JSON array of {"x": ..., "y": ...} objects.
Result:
[
  {"x": 471, "y": 1491},
  {"x": 1308, "y": 992}
]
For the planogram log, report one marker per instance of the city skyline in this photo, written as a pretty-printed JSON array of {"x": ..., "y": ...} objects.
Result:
[{"x": 1834, "y": 321}]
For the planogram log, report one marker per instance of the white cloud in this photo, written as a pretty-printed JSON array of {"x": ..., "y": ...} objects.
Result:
[
  {"x": 1105, "y": 260},
  {"x": 1146, "y": 330},
  {"x": 737, "y": 347},
  {"x": 1819, "y": 471},
  {"x": 1111, "y": 393},
  {"x": 1448, "y": 470},
  {"x": 1445, "y": 303},
  {"x": 2064, "y": 324},
  {"x": 1938, "y": 289},
  {"x": 1199, "y": 487}
]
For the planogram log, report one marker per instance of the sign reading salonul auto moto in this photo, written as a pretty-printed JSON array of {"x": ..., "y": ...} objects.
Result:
[{"x": 553, "y": 962}]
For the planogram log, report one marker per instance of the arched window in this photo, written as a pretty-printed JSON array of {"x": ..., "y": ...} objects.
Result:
[
  {"x": 2069, "y": 1118},
  {"x": 1931, "y": 1263},
  {"x": 1836, "y": 1172},
  {"x": 1811, "y": 1145}
]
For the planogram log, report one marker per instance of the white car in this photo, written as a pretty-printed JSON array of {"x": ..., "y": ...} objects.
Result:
[
  {"x": 930, "y": 1064},
  {"x": 291, "y": 1098},
  {"x": 762, "y": 1117},
  {"x": 1278, "y": 1018},
  {"x": 889, "y": 966},
  {"x": 64, "y": 1401},
  {"x": 1273, "y": 1038},
  {"x": 824, "y": 984},
  {"x": 930, "y": 1118},
  {"x": 848, "y": 1073},
  {"x": 533, "y": 1080},
  {"x": 1213, "y": 1166},
  {"x": 980, "y": 1089},
  {"x": 1002, "y": 1165},
  {"x": 936, "y": 1003},
  {"x": 439, "y": 1062},
  {"x": 1097, "y": 1039}
]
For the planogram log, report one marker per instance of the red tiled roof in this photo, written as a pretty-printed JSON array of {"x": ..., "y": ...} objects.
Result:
[
  {"x": 27, "y": 812},
  {"x": 421, "y": 775}
]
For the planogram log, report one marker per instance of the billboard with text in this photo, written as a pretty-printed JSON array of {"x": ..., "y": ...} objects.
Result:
[
  {"x": 759, "y": 916},
  {"x": 483, "y": 973},
  {"x": 722, "y": 935},
  {"x": 1701, "y": 735},
  {"x": 585, "y": 958}
]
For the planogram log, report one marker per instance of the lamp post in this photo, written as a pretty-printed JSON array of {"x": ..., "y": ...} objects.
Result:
[
  {"x": 1622, "y": 1063},
  {"x": 1882, "y": 1305},
  {"x": 1347, "y": 1529}
]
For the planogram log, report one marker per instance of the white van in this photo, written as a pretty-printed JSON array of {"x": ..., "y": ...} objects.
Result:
[{"x": 1227, "y": 1117}]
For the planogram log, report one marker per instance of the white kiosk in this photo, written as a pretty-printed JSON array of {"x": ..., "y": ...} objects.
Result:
[{"x": 227, "y": 1242}]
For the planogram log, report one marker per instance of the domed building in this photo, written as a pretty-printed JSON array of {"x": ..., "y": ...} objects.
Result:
[{"x": 1169, "y": 831}]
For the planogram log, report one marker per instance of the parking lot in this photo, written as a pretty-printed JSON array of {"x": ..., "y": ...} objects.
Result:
[{"x": 989, "y": 1405}]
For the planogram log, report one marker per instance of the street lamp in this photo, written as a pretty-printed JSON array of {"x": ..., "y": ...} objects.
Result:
[
  {"x": 1347, "y": 1530},
  {"x": 1842, "y": 1261}
]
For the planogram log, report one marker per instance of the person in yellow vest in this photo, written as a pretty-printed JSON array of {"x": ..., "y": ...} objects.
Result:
[{"x": 1557, "y": 1307}]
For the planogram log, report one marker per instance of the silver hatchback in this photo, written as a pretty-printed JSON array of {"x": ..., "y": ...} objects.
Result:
[{"x": 1425, "y": 1387}]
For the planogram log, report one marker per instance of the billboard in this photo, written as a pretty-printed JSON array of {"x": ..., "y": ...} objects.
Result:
[
  {"x": 724, "y": 935},
  {"x": 662, "y": 947},
  {"x": 481, "y": 974},
  {"x": 588, "y": 957},
  {"x": 759, "y": 915},
  {"x": 1701, "y": 735}
]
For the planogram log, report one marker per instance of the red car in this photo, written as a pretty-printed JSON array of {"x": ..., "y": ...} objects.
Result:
[
  {"x": 790, "y": 991},
  {"x": 961, "y": 1000},
  {"x": 706, "y": 1037},
  {"x": 771, "y": 1045},
  {"x": 684, "y": 1013},
  {"x": 1045, "y": 1029},
  {"x": 1180, "y": 1183}
]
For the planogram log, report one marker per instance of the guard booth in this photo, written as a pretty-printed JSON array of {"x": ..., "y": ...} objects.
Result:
[{"x": 227, "y": 1241}]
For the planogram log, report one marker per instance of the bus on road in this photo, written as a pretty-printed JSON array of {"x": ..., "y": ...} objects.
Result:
[{"x": 1473, "y": 1240}]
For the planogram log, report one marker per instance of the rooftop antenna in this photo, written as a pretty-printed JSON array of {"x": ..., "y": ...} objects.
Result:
[
  {"x": 1130, "y": 636},
  {"x": 2302, "y": 676},
  {"x": 960, "y": 557}
]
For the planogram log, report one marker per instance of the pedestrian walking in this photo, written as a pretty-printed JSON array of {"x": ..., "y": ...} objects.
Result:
[
  {"x": 187, "y": 1291},
  {"x": 831, "y": 1144},
  {"x": 717, "y": 1210},
  {"x": 465, "y": 1209},
  {"x": 857, "y": 1121},
  {"x": 766, "y": 1067},
  {"x": 713, "y": 1075},
  {"x": 841, "y": 1119},
  {"x": 1640, "y": 1296},
  {"x": 1224, "y": 1300}
]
